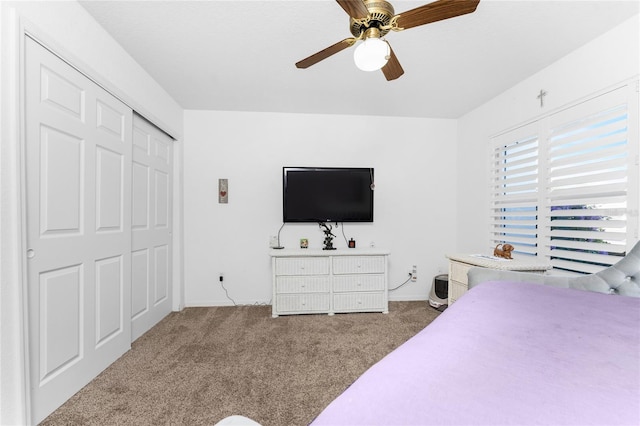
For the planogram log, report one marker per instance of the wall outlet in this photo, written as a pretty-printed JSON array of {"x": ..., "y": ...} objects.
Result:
[
  {"x": 414, "y": 273},
  {"x": 273, "y": 241},
  {"x": 221, "y": 277}
]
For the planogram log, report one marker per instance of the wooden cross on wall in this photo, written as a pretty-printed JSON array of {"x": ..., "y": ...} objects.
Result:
[{"x": 541, "y": 97}]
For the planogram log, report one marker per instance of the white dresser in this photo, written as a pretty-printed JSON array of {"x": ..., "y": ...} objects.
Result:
[
  {"x": 307, "y": 281},
  {"x": 459, "y": 265}
]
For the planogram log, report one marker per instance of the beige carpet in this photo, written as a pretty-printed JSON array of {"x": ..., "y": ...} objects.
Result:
[{"x": 203, "y": 364}]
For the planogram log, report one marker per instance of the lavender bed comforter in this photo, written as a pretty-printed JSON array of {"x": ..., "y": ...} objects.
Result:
[{"x": 508, "y": 354}]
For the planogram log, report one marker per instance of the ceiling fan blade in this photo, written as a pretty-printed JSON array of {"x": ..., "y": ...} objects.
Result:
[
  {"x": 325, "y": 53},
  {"x": 392, "y": 69},
  {"x": 354, "y": 8},
  {"x": 436, "y": 11}
]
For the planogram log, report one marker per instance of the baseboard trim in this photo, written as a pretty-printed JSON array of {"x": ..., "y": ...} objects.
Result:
[
  {"x": 225, "y": 302},
  {"x": 408, "y": 298}
]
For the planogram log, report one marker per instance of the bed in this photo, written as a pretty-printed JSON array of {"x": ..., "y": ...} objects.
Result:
[{"x": 508, "y": 353}]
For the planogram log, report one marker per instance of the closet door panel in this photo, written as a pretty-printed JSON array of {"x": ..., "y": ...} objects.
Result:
[
  {"x": 162, "y": 197},
  {"x": 109, "y": 295},
  {"x": 161, "y": 262},
  {"x": 61, "y": 332},
  {"x": 140, "y": 206},
  {"x": 139, "y": 276},
  {"x": 151, "y": 230},
  {"x": 78, "y": 236},
  {"x": 61, "y": 182},
  {"x": 109, "y": 190}
]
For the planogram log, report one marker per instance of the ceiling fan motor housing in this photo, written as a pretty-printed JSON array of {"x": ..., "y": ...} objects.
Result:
[{"x": 380, "y": 14}]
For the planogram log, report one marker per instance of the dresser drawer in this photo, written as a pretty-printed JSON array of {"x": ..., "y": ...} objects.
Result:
[
  {"x": 303, "y": 284},
  {"x": 359, "y": 265},
  {"x": 345, "y": 283},
  {"x": 300, "y": 303},
  {"x": 456, "y": 290},
  {"x": 302, "y": 266},
  {"x": 458, "y": 272},
  {"x": 353, "y": 302}
]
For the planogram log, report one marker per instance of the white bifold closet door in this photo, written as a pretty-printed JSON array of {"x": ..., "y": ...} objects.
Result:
[
  {"x": 151, "y": 226},
  {"x": 78, "y": 157}
]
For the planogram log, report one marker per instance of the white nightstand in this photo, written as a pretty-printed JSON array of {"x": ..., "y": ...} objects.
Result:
[{"x": 459, "y": 265}]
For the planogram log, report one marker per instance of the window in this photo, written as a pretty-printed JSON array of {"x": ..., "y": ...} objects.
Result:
[
  {"x": 565, "y": 187},
  {"x": 515, "y": 192}
]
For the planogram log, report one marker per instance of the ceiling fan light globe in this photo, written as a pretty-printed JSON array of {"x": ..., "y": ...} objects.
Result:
[{"x": 371, "y": 55}]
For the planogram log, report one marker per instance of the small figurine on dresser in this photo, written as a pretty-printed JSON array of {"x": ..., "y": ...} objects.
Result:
[
  {"x": 504, "y": 252},
  {"x": 328, "y": 236}
]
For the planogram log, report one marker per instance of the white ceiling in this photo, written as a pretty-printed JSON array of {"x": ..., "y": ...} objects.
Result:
[{"x": 240, "y": 55}]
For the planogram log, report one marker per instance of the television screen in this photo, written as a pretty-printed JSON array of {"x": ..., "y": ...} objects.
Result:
[{"x": 324, "y": 194}]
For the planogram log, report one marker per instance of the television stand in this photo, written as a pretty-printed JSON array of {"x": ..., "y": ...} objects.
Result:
[{"x": 312, "y": 281}]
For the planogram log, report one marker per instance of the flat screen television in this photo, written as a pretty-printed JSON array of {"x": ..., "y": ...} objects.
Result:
[{"x": 327, "y": 194}]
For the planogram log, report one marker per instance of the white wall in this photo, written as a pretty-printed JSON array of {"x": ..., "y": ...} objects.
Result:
[
  {"x": 609, "y": 59},
  {"x": 68, "y": 29},
  {"x": 67, "y": 25},
  {"x": 413, "y": 159}
]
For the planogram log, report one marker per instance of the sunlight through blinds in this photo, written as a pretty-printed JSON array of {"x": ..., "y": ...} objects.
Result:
[
  {"x": 587, "y": 186},
  {"x": 514, "y": 191}
]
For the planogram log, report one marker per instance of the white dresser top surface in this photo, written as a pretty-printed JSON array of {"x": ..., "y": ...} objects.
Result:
[
  {"x": 499, "y": 263},
  {"x": 297, "y": 252}
]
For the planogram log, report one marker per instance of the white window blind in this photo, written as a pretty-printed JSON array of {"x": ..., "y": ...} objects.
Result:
[
  {"x": 515, "y": 191},
  {"x": 565, "y": 187}
]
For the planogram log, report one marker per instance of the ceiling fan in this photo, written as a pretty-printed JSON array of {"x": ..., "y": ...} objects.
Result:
[{"x": 370, "y": 20}]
